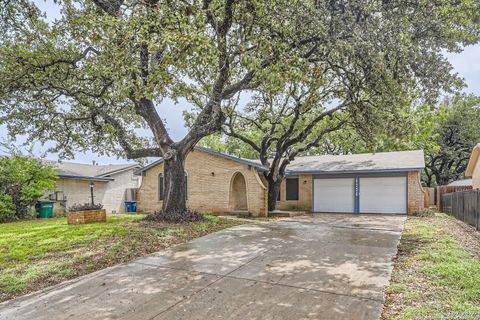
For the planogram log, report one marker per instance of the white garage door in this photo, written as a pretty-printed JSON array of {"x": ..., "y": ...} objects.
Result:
[
  {"x": 334, "y": 195},
  {"x": 383, "y": 195}
]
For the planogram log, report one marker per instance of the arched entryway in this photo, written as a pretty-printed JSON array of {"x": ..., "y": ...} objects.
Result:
[{"x": 238, "y": 193}]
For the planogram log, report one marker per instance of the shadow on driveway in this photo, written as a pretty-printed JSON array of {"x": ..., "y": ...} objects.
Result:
[{"x": 320, "y": 267}]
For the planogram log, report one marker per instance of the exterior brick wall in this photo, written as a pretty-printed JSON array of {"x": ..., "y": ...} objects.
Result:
[
  {"x": 416, "y": 196},
  {"x": 304, "y": 202},
  {"x": 209, "y": 185},
  {"x": 88, "y": 216}
]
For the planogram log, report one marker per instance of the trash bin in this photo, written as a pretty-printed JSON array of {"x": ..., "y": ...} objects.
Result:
[
  {"x": 44, "y": 209},
  {"x": 131, "y": 206}
]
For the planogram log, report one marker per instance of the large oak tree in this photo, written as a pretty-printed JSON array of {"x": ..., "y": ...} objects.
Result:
[{"x": 91, "y": 79}]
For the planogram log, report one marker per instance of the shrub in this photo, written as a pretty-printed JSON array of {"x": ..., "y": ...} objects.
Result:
[
  {"x": 22, "y": 181},
  {"x": 85, "y": 206},
  {"x": 7, "y": 208},
  {"x": 175, "y": 217}
]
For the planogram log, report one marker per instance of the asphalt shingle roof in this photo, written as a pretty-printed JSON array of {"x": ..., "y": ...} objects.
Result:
[
  {"x": 380, "y": 161},
  {"x": 463, "y": 182},
  {"x": 72, "y": 169}
]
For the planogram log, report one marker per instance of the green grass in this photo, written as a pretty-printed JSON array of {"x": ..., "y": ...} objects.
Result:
[
  {"x": 38, "y": 253},
  {"x": 434, "y": 275},
  {"x": 21, "y": 242}
]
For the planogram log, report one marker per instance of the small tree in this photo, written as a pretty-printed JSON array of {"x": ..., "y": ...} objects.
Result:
[{"x": 22, "y": 181}]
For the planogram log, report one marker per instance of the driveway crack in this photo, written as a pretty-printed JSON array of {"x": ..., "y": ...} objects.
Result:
[{"x": 220, "y": 277}]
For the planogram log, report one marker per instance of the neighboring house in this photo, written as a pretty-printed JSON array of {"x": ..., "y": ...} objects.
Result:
[
  {"x": 363, "y": 183},
  {"x": 111, "y": 183},
  {"x": 460, "y": 183},
  {"x": 473, "y": 167}
]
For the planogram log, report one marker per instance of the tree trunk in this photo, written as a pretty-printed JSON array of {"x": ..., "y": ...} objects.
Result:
[
  {"x": 273, "y": 191},
  {"x": 175, "y": 195},
  {"x": 441, "y": 179}
]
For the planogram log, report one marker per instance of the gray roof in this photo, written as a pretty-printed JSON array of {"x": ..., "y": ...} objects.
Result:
[
  {"x": 248, "y": 162},
  {"x": 89, "y": 171},
  {"x": 396, "y": 161},
  {"x": 464, "y": 182}
]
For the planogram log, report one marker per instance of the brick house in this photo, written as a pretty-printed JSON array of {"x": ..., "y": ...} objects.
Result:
[
  {"x": 473, "y": 167},
  {"x": 386, "y": 182}
]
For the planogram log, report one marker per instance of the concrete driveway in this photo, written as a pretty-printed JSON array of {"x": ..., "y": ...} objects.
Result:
[{"x": 321, "y": 267}]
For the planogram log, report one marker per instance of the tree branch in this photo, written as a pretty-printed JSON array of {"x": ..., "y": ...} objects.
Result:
[{"x": 122, "y": 138}]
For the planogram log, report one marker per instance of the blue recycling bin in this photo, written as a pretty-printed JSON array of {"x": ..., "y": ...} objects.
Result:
[{"x": 131, "y": 206}]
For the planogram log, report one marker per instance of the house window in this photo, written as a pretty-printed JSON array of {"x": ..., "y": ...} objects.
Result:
[
  {"x": 292, "y": 188},
  {"x": 278, "y": 198},
  {"x": 161, "y": 187},
  {"x": 186, "y": 187}
]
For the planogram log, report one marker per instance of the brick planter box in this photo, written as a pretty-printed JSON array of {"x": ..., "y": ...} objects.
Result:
[{"x": 87, "y": 216}]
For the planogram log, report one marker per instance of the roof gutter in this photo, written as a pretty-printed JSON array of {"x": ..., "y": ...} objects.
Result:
[
  {"x": 119, "y": 170},
  {"x": 320, "y": 172},
  {"x": 66, "y": 176}
]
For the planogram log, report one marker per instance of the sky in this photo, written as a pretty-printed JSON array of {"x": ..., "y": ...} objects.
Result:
[{"x": 466, "y": 64}]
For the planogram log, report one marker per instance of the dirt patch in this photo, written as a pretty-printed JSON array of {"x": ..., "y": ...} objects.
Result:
[{"x": 464, "y": 233}]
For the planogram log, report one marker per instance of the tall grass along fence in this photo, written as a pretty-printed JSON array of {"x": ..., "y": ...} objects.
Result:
[{"x": 463, "y": 205}]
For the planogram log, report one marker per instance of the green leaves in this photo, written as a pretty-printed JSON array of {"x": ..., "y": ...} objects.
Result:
[
  {"x": 22, "y": 181},
  {"x": 58, "y": 78}
]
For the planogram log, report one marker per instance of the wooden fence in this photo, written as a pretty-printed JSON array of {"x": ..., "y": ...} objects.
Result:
[
  {"x": 463, "y": 205},
  {"x": 441, "y": 190}
]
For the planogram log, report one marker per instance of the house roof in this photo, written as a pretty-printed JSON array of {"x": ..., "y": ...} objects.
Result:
[
  {"x": 248, "y": 162},
  {"x": 327, "y": 164},
  {"x": 473, "y": 160},
  {"x": 396, "y": 161},
  {"x": 463, "y": 182},
  {"x": 84, "y": 171}
]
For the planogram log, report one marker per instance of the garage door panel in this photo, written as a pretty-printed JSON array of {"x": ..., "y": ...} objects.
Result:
[
  {"x": 383, "y": 195},
  {"x": 334, "y": 195}
]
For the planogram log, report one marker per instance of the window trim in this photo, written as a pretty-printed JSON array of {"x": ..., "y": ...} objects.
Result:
[{"x": 161, "y": 187}]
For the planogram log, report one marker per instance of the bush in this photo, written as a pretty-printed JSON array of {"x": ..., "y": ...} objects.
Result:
[
  {"x": 7, "y": 208},
  {"x": 175, "y": 217},
  {"x": 85, "y": 206},
  {"x": 23, "y": 181}
]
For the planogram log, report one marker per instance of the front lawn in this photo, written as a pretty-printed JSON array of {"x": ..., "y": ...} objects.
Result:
[
  {"x": 38, "y": 253},
  {"x": 437, "y": 271}
]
